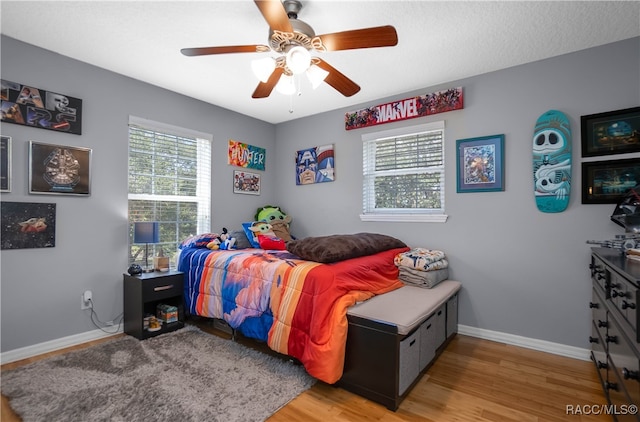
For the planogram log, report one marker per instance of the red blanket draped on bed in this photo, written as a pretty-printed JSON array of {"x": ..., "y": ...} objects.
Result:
[{"x": 310, "y": 313}]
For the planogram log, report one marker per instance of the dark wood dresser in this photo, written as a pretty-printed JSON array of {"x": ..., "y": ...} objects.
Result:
[{"x": 615, "y": 341}]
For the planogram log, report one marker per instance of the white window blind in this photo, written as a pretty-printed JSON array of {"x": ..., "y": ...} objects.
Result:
[
  {"x": 169, "y": 182},
  {"x": 404, "y": 173}
]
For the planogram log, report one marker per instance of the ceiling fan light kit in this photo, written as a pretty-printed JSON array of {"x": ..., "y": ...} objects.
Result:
[
  {"x": 295, "y": 41},
  {"x": 263, "y": 68},
  {"x": 316, "y": 75}
]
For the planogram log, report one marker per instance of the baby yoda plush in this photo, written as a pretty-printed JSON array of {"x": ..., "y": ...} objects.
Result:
[
  {"x": 266, "y": 237},
  {"x": 277, "y": 218}
]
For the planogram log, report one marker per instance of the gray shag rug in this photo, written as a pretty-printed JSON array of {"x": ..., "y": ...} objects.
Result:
[{"x": 186, "y": 375}]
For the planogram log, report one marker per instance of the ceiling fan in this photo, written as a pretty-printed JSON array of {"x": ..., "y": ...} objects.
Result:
[{"x": 294, "y": 40}]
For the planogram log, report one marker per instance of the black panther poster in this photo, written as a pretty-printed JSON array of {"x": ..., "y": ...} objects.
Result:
[{"x": 31, "y": 106}]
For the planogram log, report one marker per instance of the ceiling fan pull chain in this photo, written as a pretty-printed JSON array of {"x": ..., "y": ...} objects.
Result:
[{"x": 291, "y": 103}]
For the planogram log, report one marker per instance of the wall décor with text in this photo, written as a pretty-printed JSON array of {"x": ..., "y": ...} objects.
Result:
[{"x": 35, "y": 107}]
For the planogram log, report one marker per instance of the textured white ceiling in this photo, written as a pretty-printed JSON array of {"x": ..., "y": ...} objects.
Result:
[{"x": 439, "y": 42}]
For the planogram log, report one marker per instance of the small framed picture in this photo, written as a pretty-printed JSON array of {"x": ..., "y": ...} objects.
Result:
[
  {"x": 480, "y": 164},
  {"x": 59, "y": 169},
  {"x": 606, "y": 182},
  {"x": 246, "y": 182},
  {"x": 613, "y": 132},
  {"x": 5, "y": 164}
]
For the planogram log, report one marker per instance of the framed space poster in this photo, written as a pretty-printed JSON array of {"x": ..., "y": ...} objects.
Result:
[
  {"x": 59, "y": 169},
  {"x": 315, "y": 165},
  {"x": 27, "y": 225},
  {"x": 31, "y": 106}
]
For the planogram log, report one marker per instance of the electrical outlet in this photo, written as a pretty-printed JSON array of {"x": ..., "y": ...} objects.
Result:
[{"x": 85, "y": 300}]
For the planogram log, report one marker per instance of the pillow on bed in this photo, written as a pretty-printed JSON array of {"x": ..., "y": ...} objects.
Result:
[
  {"x": 339, "y": 247},
  {"x": 198, "y": 241},
  {"x": 251, "y": 237},
  {"x": 241, "y": 239}
]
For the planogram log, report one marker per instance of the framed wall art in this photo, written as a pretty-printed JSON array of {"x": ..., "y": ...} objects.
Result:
[
  {"x": 606, "y": 182},
  {"x": 245, "y": 155},
  {"x": 5, "y": 164},
  {"x": 315, "y": 165},
  {"x": 246, "y": 183},
  {"x": 27, "y": 225},
  {"x": 59, "y": 169},
  {"x": 480, "y": 164},
  {"x": 613, "y": 132},
  {"x": 35, "y": 107}
]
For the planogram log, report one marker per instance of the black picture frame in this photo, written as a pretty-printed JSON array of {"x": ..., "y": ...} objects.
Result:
[
  {"x": 5, "y": 164},
  {"x": 59, "y": 169},
  {"x": 613, "y": 132},
  {"x": 606, "y": 182}
]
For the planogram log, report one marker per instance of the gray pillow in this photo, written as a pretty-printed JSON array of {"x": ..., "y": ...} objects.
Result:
[{"x": 241, "y": 239}]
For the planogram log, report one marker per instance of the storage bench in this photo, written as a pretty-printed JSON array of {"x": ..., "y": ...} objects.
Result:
[{"x": 393, "y": 338}]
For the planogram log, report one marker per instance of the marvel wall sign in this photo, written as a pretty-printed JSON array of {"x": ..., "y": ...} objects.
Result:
[{"x": 31, "y": 106}]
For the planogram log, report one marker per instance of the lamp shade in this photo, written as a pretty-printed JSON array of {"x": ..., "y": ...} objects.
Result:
[
  {"x": 263, "y": 68},
  {"x": 146, "y": 232},
  {"x": 298, "y": 59}
]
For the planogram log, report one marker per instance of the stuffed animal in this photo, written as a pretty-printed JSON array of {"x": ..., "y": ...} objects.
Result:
[
  {"x": 278, "y": 220},
  {"x": 226, "y": 241},
  {"x": 222, "y": 242},
  {"x": 266, "y": 237}
]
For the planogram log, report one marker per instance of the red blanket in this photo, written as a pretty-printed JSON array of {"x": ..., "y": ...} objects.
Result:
[
  {"x": 310, "y": 313},
  {"x": 298, "y": 307}
]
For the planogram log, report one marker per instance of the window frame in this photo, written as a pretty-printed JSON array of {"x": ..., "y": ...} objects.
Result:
[
  {"x": 203, "y": 184},
  {"x": 398, "y": 214}
]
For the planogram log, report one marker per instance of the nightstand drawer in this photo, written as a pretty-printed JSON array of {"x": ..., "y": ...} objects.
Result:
[{"x": 162, "y": 287}]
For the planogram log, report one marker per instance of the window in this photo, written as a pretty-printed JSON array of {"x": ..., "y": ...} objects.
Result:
[
  {"x": 169, "y": 182},
  {"x": 403, "y": 173}
]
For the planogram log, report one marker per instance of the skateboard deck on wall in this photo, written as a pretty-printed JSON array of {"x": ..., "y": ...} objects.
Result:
[{"x": 552, "y": 161}]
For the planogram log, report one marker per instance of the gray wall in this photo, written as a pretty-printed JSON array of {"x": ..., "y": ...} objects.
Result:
[
  {"x": 523, "y": 272},
  {"x": 41, "y": 288}
]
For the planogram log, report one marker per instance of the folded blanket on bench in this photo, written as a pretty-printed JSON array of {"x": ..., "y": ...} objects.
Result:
[
  {"x": 422, "y": 267},
  {"x": 422, "y": 259},
  {"x": 426, "y": 279}
]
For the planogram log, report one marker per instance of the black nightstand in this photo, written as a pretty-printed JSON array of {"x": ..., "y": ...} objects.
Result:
[{"x": 143, "y": 293}]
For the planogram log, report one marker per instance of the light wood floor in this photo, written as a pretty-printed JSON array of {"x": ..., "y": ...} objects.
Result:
[{"x": 473, "y": 380}]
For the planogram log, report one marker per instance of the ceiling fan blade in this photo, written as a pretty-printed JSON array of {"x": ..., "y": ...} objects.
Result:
[
  {"x": 203, "y": 51},
  {"x": 379, "y": 36},
  {"x": 263, "y": 90},
  {"x": 337, "y": 80},
  {"x": 275, "y": 15}
]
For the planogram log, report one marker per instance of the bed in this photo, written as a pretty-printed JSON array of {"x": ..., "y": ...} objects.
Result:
[{"x": 296, "y": 305}]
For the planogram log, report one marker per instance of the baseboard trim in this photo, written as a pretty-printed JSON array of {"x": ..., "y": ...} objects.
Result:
[
  {"x": 53, "y": 345},
  {"x": 528, "y": 343}
]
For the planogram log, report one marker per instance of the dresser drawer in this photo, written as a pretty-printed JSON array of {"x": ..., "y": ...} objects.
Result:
[
  {"x": 624, "y": 362},
  {"x": 599, "y": 315},
  {"x": 162, "y": 287}
]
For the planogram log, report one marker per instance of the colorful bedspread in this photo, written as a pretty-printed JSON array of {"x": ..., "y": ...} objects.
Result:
[{"x": 298, "y": 307}]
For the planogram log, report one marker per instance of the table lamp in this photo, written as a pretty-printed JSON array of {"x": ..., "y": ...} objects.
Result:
[{"x": 146, "y": 232}]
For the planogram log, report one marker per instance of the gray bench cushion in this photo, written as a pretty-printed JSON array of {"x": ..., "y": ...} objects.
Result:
[{"x": 406, "y": 307}]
